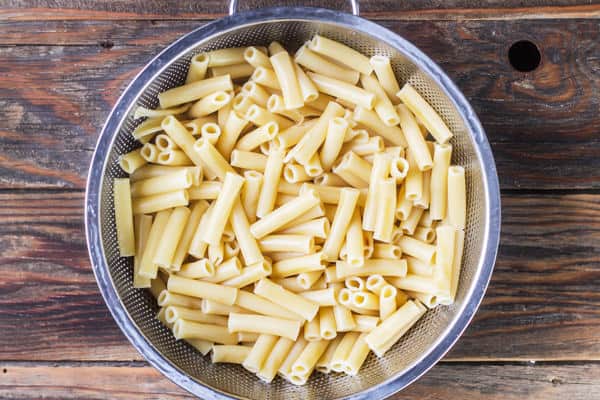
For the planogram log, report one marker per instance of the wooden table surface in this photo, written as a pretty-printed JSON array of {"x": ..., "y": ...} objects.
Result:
[{"x": 63, "y": 63}]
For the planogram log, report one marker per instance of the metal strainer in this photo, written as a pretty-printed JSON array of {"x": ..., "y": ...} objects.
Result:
[{"x": 135, "y": 310}]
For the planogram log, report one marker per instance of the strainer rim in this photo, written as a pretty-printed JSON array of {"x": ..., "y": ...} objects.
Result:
[{"x": 171, "y": 53}]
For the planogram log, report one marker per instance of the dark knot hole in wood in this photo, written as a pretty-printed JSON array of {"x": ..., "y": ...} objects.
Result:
[{"x": 524, "y": 56}]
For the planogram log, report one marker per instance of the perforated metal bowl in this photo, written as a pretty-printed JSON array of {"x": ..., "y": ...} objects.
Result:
[{"x": 134, "y": 310}]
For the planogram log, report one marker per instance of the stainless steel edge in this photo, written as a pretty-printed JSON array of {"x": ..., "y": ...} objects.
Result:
[
  {"x": 181, "y": 46},
  {"x": 234, "y": 7}
]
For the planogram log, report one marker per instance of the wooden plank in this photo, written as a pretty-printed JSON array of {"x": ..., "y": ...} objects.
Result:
[
  {"x": 410, "y": 9},
  {"x": 543, "y": 302},
  {"x": 542, "y": 125},
  {"x": 463, "y": 381}
]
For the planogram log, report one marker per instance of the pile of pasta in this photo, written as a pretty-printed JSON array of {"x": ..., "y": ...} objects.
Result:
[{"x": 295, "y": 222}]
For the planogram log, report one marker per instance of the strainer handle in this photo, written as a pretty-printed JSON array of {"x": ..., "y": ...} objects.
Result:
[{"x": 233, "y": 7}]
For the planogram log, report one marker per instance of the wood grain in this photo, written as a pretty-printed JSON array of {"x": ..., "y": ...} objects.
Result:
[
  {"x": 410, "y": 9},
  {"x": 542, "y": 125},
  {"x": 543, "y": 302},
  {"x": 462, "y": 381}
]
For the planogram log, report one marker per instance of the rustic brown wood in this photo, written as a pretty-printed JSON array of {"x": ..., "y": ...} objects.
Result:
[
  {"x": 542, "y": 304},
  {"x": 444, "y": 381},
  {"x": 15, "y": 10},
  {"x": 542, "y": 125}
]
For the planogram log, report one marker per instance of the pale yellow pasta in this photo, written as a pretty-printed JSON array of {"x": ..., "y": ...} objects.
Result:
[
  {"x": 372, "y": 266},
  {"x": 241, "y": 103},
  {"x": 369, "y": 147},
  {"x": 198, "y": 68},
  {"x": 209, "y": 104},
  {"x": 374, "y": 283},
  {"x": 287, "y": 242},
  {"x": 383, "y": 106},
  {"x": 385, "y": 74},
  {"x": 286, "y": 367},
  {"x": 319, "y": 64},
  {"x": 343, "y": 90},
  {"x": 307, "y": 87},
  {"x": 424, "y": 234},
  {"x": 256, "y": 58},
  {"x": 247, "y": 337},
  {"x": 255, "y": 138},
  {"x": 329, "y": 179},
  {"x": 163, "y": 142},
  {"x": 268, "y": 191},
  {"x": 288, "y": 81},
  {"x": 379, "y": 171},
  {"x": 147, "y": 267},
  {"x": 197, "y": 269},
  {"x": 365, "y": 323},
  {"x": 424, "y": 200},
  {"x": 297, "y": 265},
  {"x": 166, "y": 299},
  {"x": 295, "y": 173},
  {"x": 141, "y": 228},
  {"x": 147, "y": 129},
  {"x": 306, "y": 361},
  {"x": 169, "y": 239},
  {"x": 222, "y": 209},
  {"x": 227, "y": 270},
  {"x": 195, "y": 125},
  {"x": 386, "y": 210},
  {"x": 266, "y": 77},
  {"x": 183, "y": 329},
  {"x": 439, "y": 181},
  {"x": 228, "y": 56},
  {"x": 151, "y": 171},
  {"x": 416, "y": 283},
  {"x": 457, "y": 198},
  {"x": 181, "y": 179},
  {"x": 343, "y": 215},
  {"x": 413, "y": 184},
  {"x": 399, "y": 168},
  {"x": 313, "y": 167},
  {"x": 211, "y": 157},
  {"x": 260, "y": 305},
  {"x": 324, "y": 363},
  {"x": 370, "y": 119},
  {"x": 275, "y": 359},
  {"x": 308, "y": 146},
  {"x": 387, "y": 301},
  {"x": 351, "y": 165},
  {"x": 416, "y": 142},
  {"x": 250, "y": 193},
  {"x": 235, "y": 71},
  {"x": 214, "y": 307},
  {"x": 354, "y": 283},
  {"x": 234, "y": 354},
  {"x": 323, "y": 297},
  {"x": 291, "y": 301},
  {"x": 259, "y": 353},
  {"x": 307, "y": 279},
  {"x": 365, "y": 300},
  {"x": 284, "y": 214},
  {"x": 444, "y": 258},
  {"x": 409, "y": 225},
  {"x": 276, "y": 105},
  {"x": 425, "y": 113},
  {"x": 289, "y": 188},
  {"x": 203, "y": 346},
  {"x": 418, "y": 249},
  {"x": 184, "y": 139},
  {"x": 250, "y": 274},
  {"x": 173, "y": 313},
  {"x": 343, "y": 351},
  {"x": 290, "y": 284},
  {"x": 194, "y": 91},
  {"x": 387, "y": 251},
  {"x": 216, "y": 253},
  {"x": 260, "y": 116},
  {"x": 173, "y": 158},
  {"x": 124, "y": 217},
  {"x": 456, "y": 264},
  {"x": 344, "y": 321},
  {"x": 292, "y": 135},
  {"x": 341, "y": 53},
  {"x": 358, "y": 355},
  {"x": 390, "y": 330},
  {"x": 149, "y": 152},
  {"x": 206, "y": 290},
  {"x": 264, "y": 325},
  {"x": 318, "y": 228},
  {"x": 312, "y": 332},
  {"x": 355, "y": 241},
  {"x": 211, "y": 132},
  {"x": 231, "y": 132},
  {"x": 248, "y": 245},
  {"x": 207, "y": 190},
  {"x": 256, "y": 93},
  {"x": 132, "y": 161},
  {"x": 141, "y": 112}
]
